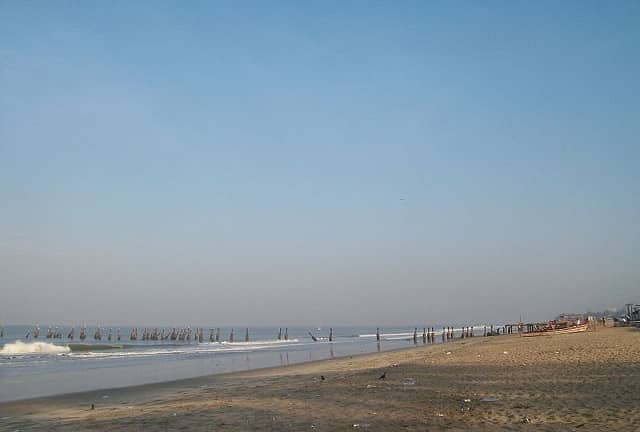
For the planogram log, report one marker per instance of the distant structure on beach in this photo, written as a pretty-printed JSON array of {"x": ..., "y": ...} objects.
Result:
[
  {"x": 629, "y": 314},
  {"x": 632, "y": 313}
]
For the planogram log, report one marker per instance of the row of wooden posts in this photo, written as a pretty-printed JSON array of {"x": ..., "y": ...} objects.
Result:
[
  {"x": 448, "y": 333},
  {"x": 428, "y": 333}
]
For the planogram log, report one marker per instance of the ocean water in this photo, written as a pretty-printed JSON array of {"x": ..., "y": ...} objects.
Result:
[{"x": 42, "y": 367}]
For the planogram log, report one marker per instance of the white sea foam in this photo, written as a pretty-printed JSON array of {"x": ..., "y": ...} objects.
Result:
[
  {"x": 258, "y": 343},
  {"x": 21, "y": 348},
  {"x": 201, "y": 348},
  {"x": 398, "y": 336},
  {"x": 386, "y": 335}
]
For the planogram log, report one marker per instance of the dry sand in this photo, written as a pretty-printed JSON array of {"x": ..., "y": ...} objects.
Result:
[{"x": 588, "y": 381}]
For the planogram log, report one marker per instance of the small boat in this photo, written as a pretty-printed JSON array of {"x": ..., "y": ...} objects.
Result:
[{"x": 558, "y": 328}]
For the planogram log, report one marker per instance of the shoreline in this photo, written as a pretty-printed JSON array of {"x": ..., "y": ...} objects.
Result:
[
  {"x": 178, "y": 382},
  {"x": 586, "y": 380},
  {"x": 192, "y": 362}
]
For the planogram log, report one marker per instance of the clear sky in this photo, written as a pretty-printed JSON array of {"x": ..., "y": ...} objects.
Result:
[{"x": 317, "y": 163}]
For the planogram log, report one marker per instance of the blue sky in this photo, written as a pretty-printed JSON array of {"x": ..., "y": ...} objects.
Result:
[{"x": 305, "y": 163}]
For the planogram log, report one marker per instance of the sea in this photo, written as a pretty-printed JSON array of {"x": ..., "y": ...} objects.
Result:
[{"x": 35, "y": 367}]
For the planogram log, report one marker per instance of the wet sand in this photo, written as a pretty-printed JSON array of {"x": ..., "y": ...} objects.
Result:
[{"x": 587, "y": 381}]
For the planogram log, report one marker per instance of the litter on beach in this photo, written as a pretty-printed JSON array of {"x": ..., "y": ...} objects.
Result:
[{"x": 489, "y": 399}]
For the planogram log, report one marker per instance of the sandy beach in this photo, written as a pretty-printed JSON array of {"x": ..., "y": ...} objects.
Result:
[{"x": 587, "y": 381}]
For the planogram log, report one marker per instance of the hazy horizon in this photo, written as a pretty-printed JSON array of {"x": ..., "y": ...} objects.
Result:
[{"x": 347, "y": 163}]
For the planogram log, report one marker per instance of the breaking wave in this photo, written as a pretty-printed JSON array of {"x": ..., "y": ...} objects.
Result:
[
  {"x": 193, "y": 349},
  {"x": 21, "y": 348}
]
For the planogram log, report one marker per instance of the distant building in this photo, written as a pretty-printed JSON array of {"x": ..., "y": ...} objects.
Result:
[
  {"x": 572, "y": 317},
  {"x": 632, "y": 313}
]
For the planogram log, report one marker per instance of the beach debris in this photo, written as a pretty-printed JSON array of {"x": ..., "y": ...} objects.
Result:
[
  {"x": 371, "y": 386},
  {"x": 175, "y": 414},
  {"x": 448, "y": 353},
  {"x": 489, "y": 399},
  {"x": 505, "y": 352},
  {"x": 467, "y": 400},
  {"x": 409, "y": 382},
  {"x": 361, "y": 425},
  {"x": 322, "y": 378},
  {"x": 439, "y": 415},
  {"x": 383, "y": 376},
  {"x": 525, "y": 420},
  {"x": 105, "y": 397}
]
